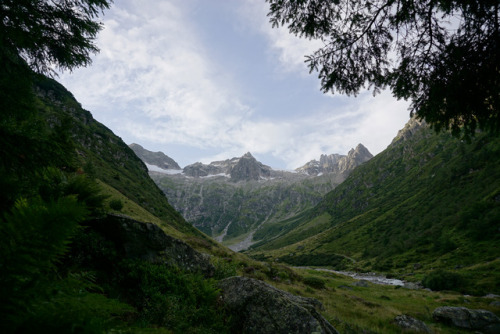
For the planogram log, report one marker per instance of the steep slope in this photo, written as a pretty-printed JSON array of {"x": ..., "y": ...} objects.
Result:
[
  {"x": 428, "y": 198},
  {"x": 72, "y": 139}
]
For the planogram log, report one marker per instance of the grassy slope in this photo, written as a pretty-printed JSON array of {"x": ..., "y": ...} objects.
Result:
[
  {"x": 431, "y": 199},
  {"x": 99, "y": 152}
]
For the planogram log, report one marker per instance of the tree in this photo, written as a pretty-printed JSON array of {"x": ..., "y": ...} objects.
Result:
[
  {"x": 443, "y": 55},
  {"x": 48, "y": 33}
]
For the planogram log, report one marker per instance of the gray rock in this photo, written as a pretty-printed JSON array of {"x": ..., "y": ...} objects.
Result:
[
  {"x": 408, "y": 323},
  {"x": 261, "y": 308},
  {"x": 146, "y": 241},
  {"x": 495, "y": 303},
  {"x": 463, "y": 317},
  {"x": 412, "y": 286}
]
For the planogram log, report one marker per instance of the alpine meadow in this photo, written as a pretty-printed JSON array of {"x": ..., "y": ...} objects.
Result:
[{"x": 102, "y": 236}]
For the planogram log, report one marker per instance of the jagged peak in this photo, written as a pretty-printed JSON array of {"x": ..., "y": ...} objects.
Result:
[{"x": 248, "y": 155}]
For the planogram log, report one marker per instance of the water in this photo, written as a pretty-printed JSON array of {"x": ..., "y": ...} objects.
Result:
[{"x": 370, "y": 277}]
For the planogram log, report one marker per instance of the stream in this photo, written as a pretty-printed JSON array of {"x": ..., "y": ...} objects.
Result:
[{"x": 370, "y": 277}]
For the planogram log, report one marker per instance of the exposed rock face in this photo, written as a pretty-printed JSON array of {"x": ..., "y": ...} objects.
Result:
[
  {"x": 462, "y": 317},
  {"x": 411, "y": 127},
  {"x": 199, "y": 170},
  {"x": 248, "y": 168},
  {"x": 146, "y": 241},
  {"x": 410, "y": 324},
  {"x": 158, "y": 159},
  {"x": 260, "y": 308},
  {"x": 336, "y": 163}
]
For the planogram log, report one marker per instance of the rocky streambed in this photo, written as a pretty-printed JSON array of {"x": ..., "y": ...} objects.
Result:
[{"x": 371, "y": 277}]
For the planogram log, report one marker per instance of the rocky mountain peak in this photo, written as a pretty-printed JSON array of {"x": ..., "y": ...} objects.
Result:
[
  {"x": 248, "y": 168},
  {"x": 336, "y": 163},
  {"x": 248, "y": 155}
]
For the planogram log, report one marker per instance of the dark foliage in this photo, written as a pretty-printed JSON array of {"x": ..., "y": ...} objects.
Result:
[
  {"x": 442, "y": 55},
  {"x": 47, "y": 33},
  {"x": 443, "y": 280},
  {"x": 165, "y": 296},
  {"x": 116, "y": 204}
]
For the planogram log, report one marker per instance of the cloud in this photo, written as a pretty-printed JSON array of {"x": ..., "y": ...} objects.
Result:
[
  {"x": 155, "y": 83},
  {"x": 289, "y": 49},
  {"x": 154, "y": 73}
]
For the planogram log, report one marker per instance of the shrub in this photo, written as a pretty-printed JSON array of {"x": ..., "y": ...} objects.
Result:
[
  {"x": 169, "y": 297},
  {"x": 116, "y": 204},
  {"x": 223, "y": 268},
  {"x": 314, "y": 282},
  {"x": 442, "y": 280}
]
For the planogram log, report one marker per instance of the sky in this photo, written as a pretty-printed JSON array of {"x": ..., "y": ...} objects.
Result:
[{"x": 211, "y": 80}]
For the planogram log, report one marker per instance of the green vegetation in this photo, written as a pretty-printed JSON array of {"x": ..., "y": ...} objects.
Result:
[
  {"x": 429, "y": 199},
  {"x": 443, "y": 280},
  {"x": 116, "y": 204}
]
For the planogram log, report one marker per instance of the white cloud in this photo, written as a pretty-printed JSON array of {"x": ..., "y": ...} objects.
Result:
[
  {"x": 289, "y": 49},
  {"x": 154, "y": 68},
  {"x": 154, "y": 82}
]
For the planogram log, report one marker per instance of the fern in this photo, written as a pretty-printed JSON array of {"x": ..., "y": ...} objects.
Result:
[{"x": 34, "y": 236}]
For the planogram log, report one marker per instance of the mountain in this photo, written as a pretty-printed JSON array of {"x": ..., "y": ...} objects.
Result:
[
  {"x": 428, "y": 201},
  {"x": 336, "y": 163},
  {"x": 234, "y": 200},
  {"x": 245, "y": 168},
  {"x": 158, "y": 159}
]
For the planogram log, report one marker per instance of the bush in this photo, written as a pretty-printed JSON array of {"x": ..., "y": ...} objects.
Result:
[
  {"x": 116, "y": 204},
  {"x": 442, "y": 280},
  {"x": 168, "y": 297},
  {"x": 314, "y": 282},
  {"x": 223, "y": 268}
]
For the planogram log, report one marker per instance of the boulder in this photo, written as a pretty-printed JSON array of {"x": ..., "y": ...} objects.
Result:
[
  {"x": 462, "y": 317},
  {"x": 260, "y": 308},
  {"x": 410, "y": 324},
  {"x": 147, "y": 241}
]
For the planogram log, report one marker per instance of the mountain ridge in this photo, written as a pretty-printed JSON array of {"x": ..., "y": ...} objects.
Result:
[{"x": 231, "y": 199}]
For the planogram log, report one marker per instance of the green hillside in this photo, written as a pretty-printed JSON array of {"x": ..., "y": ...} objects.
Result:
[
  {"x": 428, "y": 201},
  {"x": 68, "y": 137}
]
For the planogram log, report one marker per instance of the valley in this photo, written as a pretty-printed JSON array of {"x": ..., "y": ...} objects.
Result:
[
  {"x": 233, "y": 200},
  {"x": 97, "y": 236}
]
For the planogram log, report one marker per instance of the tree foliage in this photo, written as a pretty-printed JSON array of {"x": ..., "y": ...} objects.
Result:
[
  {"x": 443, "y": 55},
  {"x": 50, "y": 33}
]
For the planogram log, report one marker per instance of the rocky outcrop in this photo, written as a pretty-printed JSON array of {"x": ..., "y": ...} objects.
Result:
[
  {"x": 409, "y": 324},
  {"x": 482, "y": 320},
  {"x": 257, "y": 307},
  {"x": 158, "y": 159},
  {"x": 199, "y": 170},
  {"x": 336, "y": 163},
  {"x": 248, "y": 168},
  {"x": 146, "y": 241},
  {"x": 409, "y": 130}
]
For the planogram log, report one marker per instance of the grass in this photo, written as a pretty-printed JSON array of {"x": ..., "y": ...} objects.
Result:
[{"x": 372, "y": 309}]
